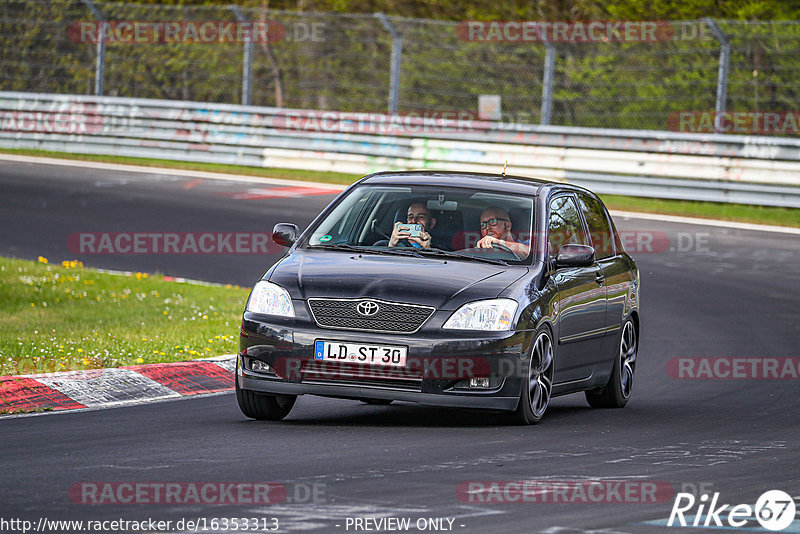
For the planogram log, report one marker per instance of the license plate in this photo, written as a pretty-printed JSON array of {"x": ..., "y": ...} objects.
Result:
[{"x": 386, "y": 355}]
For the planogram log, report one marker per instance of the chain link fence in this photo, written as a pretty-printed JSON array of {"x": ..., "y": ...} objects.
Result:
[{"x": 356, "y": 62}]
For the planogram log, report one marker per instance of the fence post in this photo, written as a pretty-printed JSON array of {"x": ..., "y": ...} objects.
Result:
[
  {"x": 722, "y": 76},
  {"x": 547, "y": 83},
  {"x": 397, "y": 55},
  {"x": 100, "y": 68},
  {"x": 247, "y": 58}
]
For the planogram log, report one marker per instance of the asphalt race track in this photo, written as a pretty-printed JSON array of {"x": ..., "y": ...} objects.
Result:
[{"x": 707, "y": 292}]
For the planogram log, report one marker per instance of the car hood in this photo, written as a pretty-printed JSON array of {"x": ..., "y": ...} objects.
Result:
[{"x": 444, "y": 284}]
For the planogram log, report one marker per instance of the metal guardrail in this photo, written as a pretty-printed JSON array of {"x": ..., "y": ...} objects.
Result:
[{"x": 722, "y": 168}]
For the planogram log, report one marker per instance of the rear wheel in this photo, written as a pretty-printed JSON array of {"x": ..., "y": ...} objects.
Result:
[
  {"x": 536, "y": 390},
  {"x": 263, "y": 406},
  {"x": 616, "y": 393}
]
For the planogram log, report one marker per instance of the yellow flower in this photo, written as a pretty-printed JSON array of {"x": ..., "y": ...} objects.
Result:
[
  {"x": 42, "y": 259},
  {"x": 86, "y": 361},
  {"x": 139, "y": 360},
  {"x": 80, "y": 350}
]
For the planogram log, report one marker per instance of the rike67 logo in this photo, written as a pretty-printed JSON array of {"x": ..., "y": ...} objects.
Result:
[{"x": 774, "y": 510}]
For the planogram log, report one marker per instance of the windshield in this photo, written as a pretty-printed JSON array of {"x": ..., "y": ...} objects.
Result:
[{"x": 430, "y": 221}]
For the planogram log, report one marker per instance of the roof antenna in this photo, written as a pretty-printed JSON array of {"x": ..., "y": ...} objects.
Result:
[{"x": 504, "y": 167}]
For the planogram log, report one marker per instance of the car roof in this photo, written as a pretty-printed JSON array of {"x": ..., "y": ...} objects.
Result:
[{"x": 477, "y": 180}]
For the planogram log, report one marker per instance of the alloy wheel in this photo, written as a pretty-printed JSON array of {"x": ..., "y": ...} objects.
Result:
[{"x": 540, "y": 376}]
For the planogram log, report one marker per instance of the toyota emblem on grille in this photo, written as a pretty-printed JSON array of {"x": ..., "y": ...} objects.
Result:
[{"x": 367, "y": 308}]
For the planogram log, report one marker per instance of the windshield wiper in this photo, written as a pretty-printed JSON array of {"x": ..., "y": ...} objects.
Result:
[
  {"x": 339, "y": 246},
  {"x": 352, "y": 248},
  {"x": 441, "y": 252}
]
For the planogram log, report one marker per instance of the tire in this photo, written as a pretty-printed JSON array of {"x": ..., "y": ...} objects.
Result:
[
  {"x": 264, "y": 407},
  {"x": 538, "y": 388},
  {"x": 617, "y": 391},
  {"x": 377, "y": 402}
]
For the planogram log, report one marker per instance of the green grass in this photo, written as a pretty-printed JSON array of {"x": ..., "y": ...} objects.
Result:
[
  {"x": 58, "y": 317},
  {"x": 709, "y": 210},
  {"x": 6, "y": 411}
]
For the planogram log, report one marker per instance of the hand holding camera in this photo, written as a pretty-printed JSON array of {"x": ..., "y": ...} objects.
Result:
[{"x": 415, "y": 234}]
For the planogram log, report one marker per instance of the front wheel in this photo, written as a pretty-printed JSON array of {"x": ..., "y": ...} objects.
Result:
[
  {"x": 537, "y": 389},
  {"x": 262, "y": 406},
  {"x": 618, "y": 390}
]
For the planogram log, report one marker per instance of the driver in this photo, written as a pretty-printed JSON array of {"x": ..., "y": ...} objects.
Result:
[
  {"x": 496, "y": 229},
  {"x": 418, "y": 213}
]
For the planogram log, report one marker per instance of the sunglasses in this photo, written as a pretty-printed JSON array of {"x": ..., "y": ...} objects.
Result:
[{"x": 492, "y": 222}]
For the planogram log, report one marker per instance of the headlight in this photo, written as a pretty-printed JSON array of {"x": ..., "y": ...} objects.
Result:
[
  {"x": 496, "y": 314},
  {"x": 270, "y": 299}
]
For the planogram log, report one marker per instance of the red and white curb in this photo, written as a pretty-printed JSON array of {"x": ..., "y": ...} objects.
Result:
[{"x": 101, "y": 388}]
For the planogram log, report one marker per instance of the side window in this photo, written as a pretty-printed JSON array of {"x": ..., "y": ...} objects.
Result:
[
  {"x": 564, "y": 226},
  {"x": 599, "y": 227}
]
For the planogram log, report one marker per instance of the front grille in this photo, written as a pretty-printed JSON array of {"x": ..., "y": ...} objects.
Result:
[
  {"x": 392, "y": 317},
  {"x": 358, "y": 375}
]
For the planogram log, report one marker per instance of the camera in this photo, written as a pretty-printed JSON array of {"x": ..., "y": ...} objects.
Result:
[{"x": 413, "y": 229}]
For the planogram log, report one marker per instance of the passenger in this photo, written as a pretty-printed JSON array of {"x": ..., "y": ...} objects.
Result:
[
  {"x": 496, "y": 229},
  {"x": 418, "y": 213}
]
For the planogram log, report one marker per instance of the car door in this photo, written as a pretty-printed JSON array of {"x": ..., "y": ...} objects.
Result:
[
  {"x": 615, "y": 271},
  {"x": 580, "y": 308}
]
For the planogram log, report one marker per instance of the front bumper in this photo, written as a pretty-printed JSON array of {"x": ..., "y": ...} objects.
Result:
[{"x": 440, "y": 363}]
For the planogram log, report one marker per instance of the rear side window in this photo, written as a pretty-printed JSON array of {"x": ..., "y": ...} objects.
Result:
[
  {"x": 599, "y": 226},
  {"x": 564, "y": 225}
]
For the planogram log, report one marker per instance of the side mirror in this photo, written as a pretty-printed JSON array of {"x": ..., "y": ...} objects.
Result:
[
  {"x": 285, "y": 234},
  {"x": 575, "y": 256}
]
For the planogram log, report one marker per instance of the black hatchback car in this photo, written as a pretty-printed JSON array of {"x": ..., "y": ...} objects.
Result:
[{"x": 446, "y": 289}]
